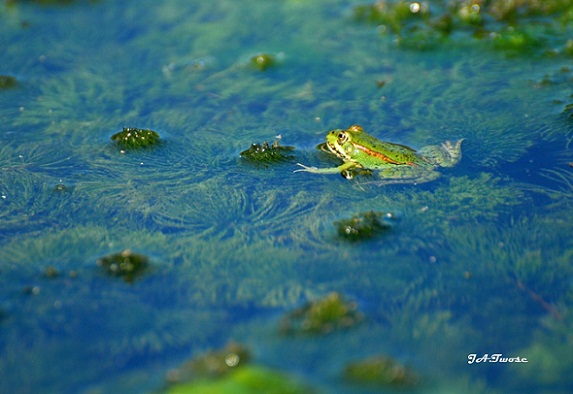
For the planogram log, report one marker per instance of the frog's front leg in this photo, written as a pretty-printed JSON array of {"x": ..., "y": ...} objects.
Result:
[{"x": 333, "y": 170}]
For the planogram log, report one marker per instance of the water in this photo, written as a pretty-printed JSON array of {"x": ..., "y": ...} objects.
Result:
[{"x": 478, "y": 262}]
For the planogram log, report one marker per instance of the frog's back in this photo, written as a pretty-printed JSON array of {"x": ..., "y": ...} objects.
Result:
[{"x": 400, "y": 154}]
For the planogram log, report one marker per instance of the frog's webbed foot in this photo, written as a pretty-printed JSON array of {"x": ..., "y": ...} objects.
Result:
[
  {"x": 304, "y": 168},
  {"x": 333, "y": 170}
]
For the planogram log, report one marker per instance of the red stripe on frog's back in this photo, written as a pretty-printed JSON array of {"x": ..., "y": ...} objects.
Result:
[{"x": 385, "y": 158}]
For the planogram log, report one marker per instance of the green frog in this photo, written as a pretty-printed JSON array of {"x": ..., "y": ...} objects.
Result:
[{"x": 395, "y": 163}]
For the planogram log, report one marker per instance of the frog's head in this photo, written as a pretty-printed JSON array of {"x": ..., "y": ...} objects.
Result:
[{"x": 340, "y": 142}]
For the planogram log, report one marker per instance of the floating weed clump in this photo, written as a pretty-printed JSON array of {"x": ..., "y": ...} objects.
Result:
[
  {"x": 61, "y": 188},
  {"x": 322, "y": 316},
  {"x": 517, "y": 40},
  {"x": 265, "y": 154},
  {"x": 229, "y": 370},
  {"x": 263, "y": 61},
  {"x": 212, "y": 364},
  {"x": 125, "y": 264},
  {"x": 251, "y": 379},
  {"x": 380, "y": 370},
  {"x": 131, "y": 138},
  {"x": 513, "y": 26},
  {"x": 7, "y": 82},
  {"x": 363, "y": 226},
  {"x": 394, "y": 15}
]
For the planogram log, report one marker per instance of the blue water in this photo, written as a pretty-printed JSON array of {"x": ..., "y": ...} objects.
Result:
[{"x": 477, "y": 262}]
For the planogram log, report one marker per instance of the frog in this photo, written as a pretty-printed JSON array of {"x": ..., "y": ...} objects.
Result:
[{"x": 395, "y": 163}]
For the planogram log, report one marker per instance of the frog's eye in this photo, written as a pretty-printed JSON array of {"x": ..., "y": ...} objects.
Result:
[{"x": 342, "y": 137}]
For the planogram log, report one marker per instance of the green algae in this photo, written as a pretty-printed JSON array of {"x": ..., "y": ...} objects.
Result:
[
  {"x": 125, "y": 264},
  {"x": 8, "y": 82},
  {"x": 131, "y": 138},
  {"x": 123, "y": 331},
  {"x": 246, "y": 380},
  {"x": 561, "y": 191},
  {"x": 363, "y": 226},
  {"x": 322, "y": 316},
  {"x": 263, "y": 61},
  {"x": 265, "y": 154},
  {"x": 516, "y": 27},
  {"x": 395, "y": 14},
  {"x": 230, "y": 370},
  {"x": 380, "y": 370},
  {"x": 548, "y": 356},
  {"x": 229, "y": 236},
  {"x": 212, "y": 364}
]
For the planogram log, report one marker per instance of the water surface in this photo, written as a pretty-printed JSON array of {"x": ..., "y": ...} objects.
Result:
[{"x": 478, "y": 262}]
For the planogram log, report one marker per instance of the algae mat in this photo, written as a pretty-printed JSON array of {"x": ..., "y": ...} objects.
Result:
[{"x": 198, "y": 246}]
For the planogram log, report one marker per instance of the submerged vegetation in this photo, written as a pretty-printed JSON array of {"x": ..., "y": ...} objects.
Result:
[
  {"x": 236, "y": 247},
  {"x": 251, "y": 379},
  {"x": 322, "y": 316},
  {"x": 125, "y": 264},
  {"x": 212, "y": 364},
  {"x": 515, "y": 26},
  {"x": 7, "y": 82},
  {"x": 229, "y": 370},
  {"x": 263, "y": 61},
  {"x": 364, "y": 225},
  {"x": 380, "y": 370}
]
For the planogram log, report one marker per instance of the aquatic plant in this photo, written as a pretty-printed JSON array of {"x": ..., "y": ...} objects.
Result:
[
  {"x": 549, "y": 360},
  {"x": 380, "y": 370},
  {"x": 526, "y": 276},
  {"x": 222, "y": 273},
  {"x": 393, "y": 14},
  {"x": 7, "y": 82},
  {"x": 568, "y": 110},
  {"x": 51, "y": 272},
  {"x": 225, "y": 236},
  {"x": 220, "y": 209},
  {"x": 229, "y": 369},
  {"x": 512, "y": 39},
  {"x": 61, "y": 188},
  {"x": 263, "y": 61},
  {"x": 251, "y": 379},
  {"x": 510, "y": 10},
  {"x": 364, "y": 225},
  {"x": 120, "y": 325},
  {"x": 27, "y": 197},
  {"x": 513, "y": 26},
  {"x": 125, "y": 264},
  {"x": 131, "y": 138},
  {"x": 265, "y": 154},
  {"x": 322, "y": 316},
  {"x": 35, "y": 158},
  {"x": 212, "y": 364},
  {"x": 560, "y": 189}
]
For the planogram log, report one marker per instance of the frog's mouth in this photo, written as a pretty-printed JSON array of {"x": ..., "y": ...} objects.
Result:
[{"x": 337, "y": 150}]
